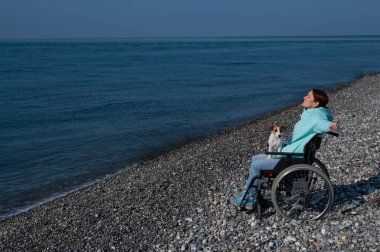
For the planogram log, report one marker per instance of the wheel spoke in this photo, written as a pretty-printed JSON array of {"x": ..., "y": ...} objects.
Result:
[{"x": 289, "y": 198}]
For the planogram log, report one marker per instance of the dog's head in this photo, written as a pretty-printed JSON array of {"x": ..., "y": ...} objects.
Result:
[{"x": 277, "y": 129}]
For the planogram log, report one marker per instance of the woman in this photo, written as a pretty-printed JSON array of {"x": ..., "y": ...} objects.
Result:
[{"x": 316, "y": 118}]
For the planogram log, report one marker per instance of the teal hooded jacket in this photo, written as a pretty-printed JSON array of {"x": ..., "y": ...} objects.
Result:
[{"x": 313, "y": 121}]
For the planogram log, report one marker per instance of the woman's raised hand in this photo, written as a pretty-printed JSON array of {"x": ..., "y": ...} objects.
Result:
[{"x": 334, "y": 126}]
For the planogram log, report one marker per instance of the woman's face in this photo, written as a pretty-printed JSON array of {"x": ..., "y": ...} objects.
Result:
[{"x": 309, "y": 102}]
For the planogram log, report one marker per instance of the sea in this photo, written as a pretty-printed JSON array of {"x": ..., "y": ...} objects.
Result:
[{"x": 76, "y": 111}]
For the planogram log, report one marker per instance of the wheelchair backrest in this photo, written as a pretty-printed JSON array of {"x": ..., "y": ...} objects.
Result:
[{"x": 311, "y": 148}]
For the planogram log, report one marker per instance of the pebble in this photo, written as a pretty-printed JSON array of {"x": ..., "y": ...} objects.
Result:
[{"x": 291, "y": 239}]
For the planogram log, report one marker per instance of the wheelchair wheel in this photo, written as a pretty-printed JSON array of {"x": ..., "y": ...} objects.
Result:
[
  {"x": 319, "y": 164},
  {"x": 302, "y": 192}
]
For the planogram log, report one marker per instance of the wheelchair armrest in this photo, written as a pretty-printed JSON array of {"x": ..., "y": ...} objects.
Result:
[
  {"x": 287, "y": 154},
  {"x": 332, "y": 133}
]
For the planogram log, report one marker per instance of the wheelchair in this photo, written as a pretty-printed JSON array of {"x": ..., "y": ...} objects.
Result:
[{"x": 300, "y": 185}]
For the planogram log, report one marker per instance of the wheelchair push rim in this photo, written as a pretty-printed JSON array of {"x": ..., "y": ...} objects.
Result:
[{"x": 302, "y": 192}]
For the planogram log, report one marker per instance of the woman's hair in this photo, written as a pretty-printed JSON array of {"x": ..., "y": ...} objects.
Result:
[{"x": 320, "y": 97}]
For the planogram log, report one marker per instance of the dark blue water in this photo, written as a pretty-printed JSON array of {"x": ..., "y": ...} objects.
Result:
[{"x": 76, "y": 111}]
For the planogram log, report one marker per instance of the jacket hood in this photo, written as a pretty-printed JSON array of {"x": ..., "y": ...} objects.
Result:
[{"x": 322, "y": 112}]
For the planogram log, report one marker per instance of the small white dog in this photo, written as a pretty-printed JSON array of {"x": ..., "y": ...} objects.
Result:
[{"x": 275, "y": 139}]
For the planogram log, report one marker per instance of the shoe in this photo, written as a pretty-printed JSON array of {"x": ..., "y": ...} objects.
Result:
[
  {"x": 238, "y": 194},
  {"x": 248, "y": 203}
]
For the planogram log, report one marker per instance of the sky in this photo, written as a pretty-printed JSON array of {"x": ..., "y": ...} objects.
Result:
[{"x": 49, "y": 19}]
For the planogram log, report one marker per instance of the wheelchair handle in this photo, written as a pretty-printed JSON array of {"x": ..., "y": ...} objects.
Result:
[{"x": 332, "y": 133}]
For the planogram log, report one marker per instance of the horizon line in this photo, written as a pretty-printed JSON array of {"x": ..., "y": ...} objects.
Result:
[{"x": 188, "y": 37}]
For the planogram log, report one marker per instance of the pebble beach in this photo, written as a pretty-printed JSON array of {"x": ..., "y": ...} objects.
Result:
[{"x": 179, "y": 201}]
